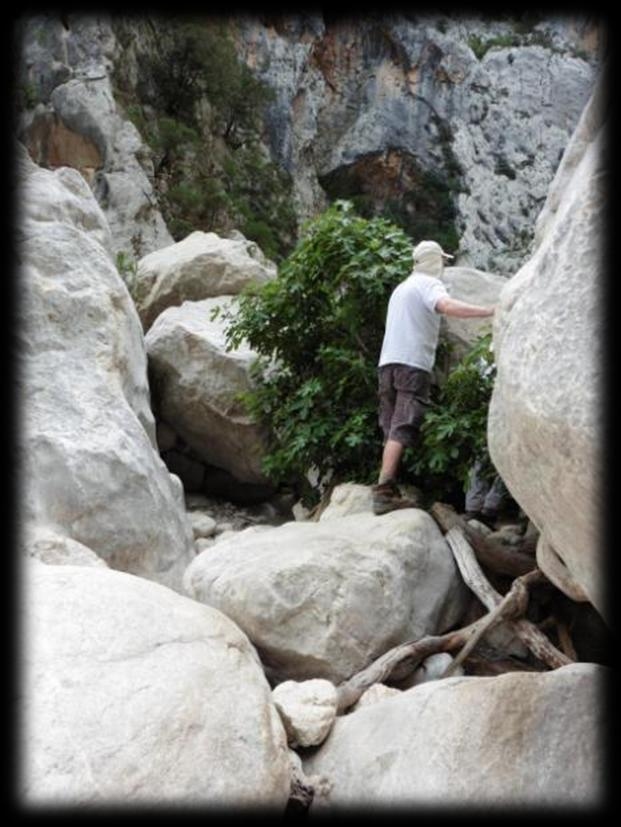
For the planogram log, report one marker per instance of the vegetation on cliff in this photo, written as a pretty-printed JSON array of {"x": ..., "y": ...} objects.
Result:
[{"x": 200, "y": 110}]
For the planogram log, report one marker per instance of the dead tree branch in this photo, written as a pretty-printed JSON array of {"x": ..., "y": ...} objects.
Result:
[
  {"x": 415, "y": 651},
  {"x": 474, "y": 578},
  {"x": 492, "y": 555},
  {"x": 501, "y": 609}
]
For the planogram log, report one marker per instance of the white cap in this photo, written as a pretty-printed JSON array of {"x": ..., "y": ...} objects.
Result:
[{"x": 426, "y": 249}]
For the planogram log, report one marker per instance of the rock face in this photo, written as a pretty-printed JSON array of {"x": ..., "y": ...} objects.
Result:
[
  {"x": 370, "y": 106},
  {"x": 544, "y": 420},
  {"x": 91, "y": 468},
  {"x": 76, "y": 122},
  {"x": 517, "y": 739},
  {"x": 322, "y": 600},
  {"x": 201, "y": 266},
  {"x": 195, "y": 382},
  {"x": 382, "y": 107},
  {"x": 133, "y": 694}
]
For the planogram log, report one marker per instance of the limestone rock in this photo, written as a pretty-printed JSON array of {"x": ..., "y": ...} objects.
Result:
[
  {"x": 201, "y": 543},
  {"x": 374, "y": 694},
  {"x": 324, "y": 599},
  {"x": 49, "y": 546},
  {"x": 476, "y": 287},
  {"x": 300, "y": 512},
  {"x": 78, "y": 123},
  {"x": 91, "y": 468},
  {"x": 201, "y": 266},
  {"x": 590, "y": 122},
  {"x": 354, "y": 498},
  {"x": 348, "y": 498},
  {"x": 519, "y": 739},
  {"x": 202, "y": 524},
  {"x": 433, "y": 668},
  {"x": 307, "y": 709},
  {"x": 195, "y": 382},
  {"x": 133, "y": 694},
  {"x": 349, "y": 93},
  {"x": 545, "y": 415},
  {"x": 52, "y": 144}
]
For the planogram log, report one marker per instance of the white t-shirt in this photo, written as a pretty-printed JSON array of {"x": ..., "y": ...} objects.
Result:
[{"x": 412, "y": 324}]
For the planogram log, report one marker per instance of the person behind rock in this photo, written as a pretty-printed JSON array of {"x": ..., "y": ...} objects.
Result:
[
  {"x": 406, "y": 361},
  {"x": 484, "y": 497}
]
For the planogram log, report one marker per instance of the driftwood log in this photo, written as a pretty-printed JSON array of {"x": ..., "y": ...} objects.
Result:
[
  {"x": 415, "y": 651},
  {"x": 492, "y": 555},
  {"x": 474, "y": 578},
  {"x": 403, "y": 659}
]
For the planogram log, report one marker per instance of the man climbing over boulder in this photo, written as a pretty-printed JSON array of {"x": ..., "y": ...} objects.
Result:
[{"x": 406, "y": 361}]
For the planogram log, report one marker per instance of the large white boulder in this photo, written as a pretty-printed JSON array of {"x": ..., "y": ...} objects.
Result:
[
  {"x": 324, "y": 599},
  {"x": 91, "y": 470},
  {"x": 196, "y": 382},
  {"x": 132, "y": 694},
  {"x": 545, "y": 422},
  {"x": 201, "y": 266},
  {"x": 475, "y": 287},
  {"x": 529, "y": 739}
]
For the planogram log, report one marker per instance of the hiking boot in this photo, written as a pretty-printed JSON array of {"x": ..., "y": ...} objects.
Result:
[{"x": 387, "y": 497}]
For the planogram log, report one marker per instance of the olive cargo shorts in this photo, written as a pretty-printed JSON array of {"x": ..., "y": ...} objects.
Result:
[{"x": 403, "y": 401}]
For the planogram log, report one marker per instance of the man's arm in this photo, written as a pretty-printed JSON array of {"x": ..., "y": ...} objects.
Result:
[{"x": 463, "y": 310}]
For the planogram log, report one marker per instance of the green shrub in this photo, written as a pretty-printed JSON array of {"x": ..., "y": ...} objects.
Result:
[
  {"x": 480, "y": 46},
  {"x": 261, "y": 233},
  {"x": 211, "y": 184},
  {"x": 260, "y": 200},
  {"x": 29, "y": 96},
  {"x": 318, "y": 329},
  {"x": 322, "y": 322},
  {"x": 197, "y": 59},
  {"x": 454, "y": 431},
  {"x": 174, "y": 135},
  {"x": 128, "y": 270}
]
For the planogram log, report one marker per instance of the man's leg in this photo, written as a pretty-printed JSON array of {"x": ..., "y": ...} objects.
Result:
[
  {"x": 391, "y": 458},
  {"x": 477, "y": 489},
  {"x": 495, "y": 497},
  {"x": 399, "y": 417}
]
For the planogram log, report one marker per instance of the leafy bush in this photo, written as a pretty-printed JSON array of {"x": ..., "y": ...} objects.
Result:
[
  {"x": 197, "y": 59},
  {"x": 128, "y": 270},
  {"x": 28, "y": 96},
  {"x": 454, "y": 431},
  {"x": 260, "y": 200},
  {"x": 318, "y": 329},
  {"x": 320, "y": 326},
  {"x": 480, "y": 46}
]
